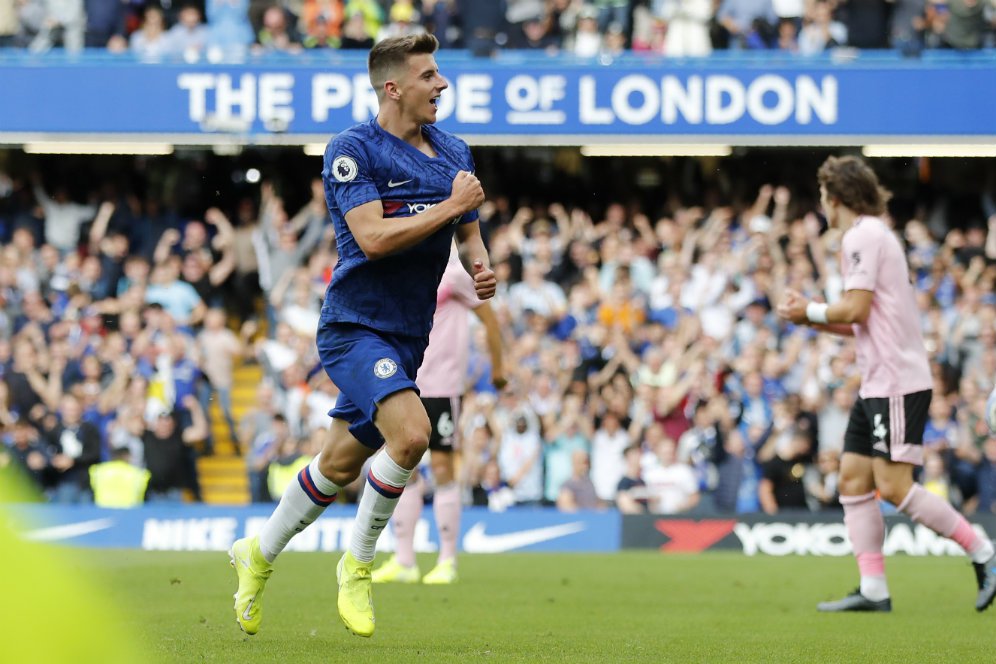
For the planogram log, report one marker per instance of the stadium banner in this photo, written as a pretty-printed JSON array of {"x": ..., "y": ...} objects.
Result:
[
  {"x": 803, "y": 534},
  {"x": 541, "y": 101},
  {"x": 204, "y": 528}
]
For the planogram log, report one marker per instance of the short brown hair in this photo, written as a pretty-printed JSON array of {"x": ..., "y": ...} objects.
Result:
[
  {"x": 391, "y": 53},
  {"x": 854, "y": 184}
]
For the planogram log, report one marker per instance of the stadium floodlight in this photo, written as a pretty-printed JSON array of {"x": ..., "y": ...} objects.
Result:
[
  {"x": 656, "y": 150},
  {"x": 97, "y": 147},
  {"x": 930, "y": 150},
  {"x": 314, "y": 149}
]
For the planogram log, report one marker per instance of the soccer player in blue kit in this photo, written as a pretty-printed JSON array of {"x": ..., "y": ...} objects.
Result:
[{"x": 398, "y": 189}]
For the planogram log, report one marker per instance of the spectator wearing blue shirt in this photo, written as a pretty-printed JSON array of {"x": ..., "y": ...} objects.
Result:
[
  {"x": 755, "y": 407},
  {"x": 565, "y": 434},
  {"x": 178, "y": 298},
  {"x": 189, "y": 37},
  {"x": 150, "y": 42},
  {"x": 750, "y": 23},
  {"x": 229, "y": 30}
]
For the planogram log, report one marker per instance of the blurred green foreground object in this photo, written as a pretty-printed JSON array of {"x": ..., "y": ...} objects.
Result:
[{"x": 53, "y": 610}]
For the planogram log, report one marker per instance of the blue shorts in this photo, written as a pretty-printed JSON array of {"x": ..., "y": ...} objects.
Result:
[{"x": 367, "y": 366}]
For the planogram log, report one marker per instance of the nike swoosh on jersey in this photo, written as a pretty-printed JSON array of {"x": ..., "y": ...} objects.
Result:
[
  {"x": 392, "y": 183},
  {"x": 477, "y": 541}
]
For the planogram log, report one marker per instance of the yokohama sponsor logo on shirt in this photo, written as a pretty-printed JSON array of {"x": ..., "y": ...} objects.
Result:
[{"x": 392, "y": 208}]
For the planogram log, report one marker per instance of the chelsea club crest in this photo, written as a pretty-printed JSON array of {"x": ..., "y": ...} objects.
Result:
[{"x": 385, "y": 368}]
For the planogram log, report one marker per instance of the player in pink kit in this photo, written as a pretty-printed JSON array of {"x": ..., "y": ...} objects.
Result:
[
  {"x": 884, "y": 436},
  {"x": 440, "y": 382}
]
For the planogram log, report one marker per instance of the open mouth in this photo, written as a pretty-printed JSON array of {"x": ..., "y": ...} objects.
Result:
[{"x": 434, "y": 101}]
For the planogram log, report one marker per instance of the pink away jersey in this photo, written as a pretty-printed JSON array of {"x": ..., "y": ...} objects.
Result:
[
  {"x": 444, "y": 369},
  {"x": 891, "y": 354}
]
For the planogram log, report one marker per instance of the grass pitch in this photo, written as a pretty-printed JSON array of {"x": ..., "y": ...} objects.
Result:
[{"x": 627, "y": 607}]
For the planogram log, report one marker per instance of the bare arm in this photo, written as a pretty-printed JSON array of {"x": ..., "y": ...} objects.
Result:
[
  {"x": 226, "y": 234},
  {"x": 688, "y": 245},
  {"x": 113, "y": 396},
  {"x": 605, "y": 374},
  {"x": 221, "y": 270},
  {"x": 766, "y": 494},
  {"x": 760, "y": 206},
  {"x": 524, "y": 469},
  {"x": 767, "y": 451},
  {"x": 779, "y": 216},
  {"x": 690, "y": 502},
  {"x": 991, "y": 238},
  {"x": 645, "y": 229},
  {"x": 474, "y": 257},
  {"x": 841, "y": 329},
  {"x": 627, "y": 358},
  {"x": 627, "y": 504},
  {"x": 853, "y": 307},
  {"x": 641, "y": 416},
  {"x": 198, "y": 429},
  {"x": 471, "y": 247},
  {"x": 516, "y": 233},
  {"x": 492, "y": 333},
  {"x": 559, "y": 215},
  {"x": 50, "y": 391},
  {"x": 379, "y": 237},
  {"x": 301, "y": 219},
  {"x": 99, "y": 228},
  {"x": 165, "y": 245},
  {"x": 197, "y": 315},
  {"x": 313, "y": 233},
  {"x": 280, "y": 288}
]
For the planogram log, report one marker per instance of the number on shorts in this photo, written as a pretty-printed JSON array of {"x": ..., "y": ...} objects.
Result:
[{"x": 444, "y": 425}]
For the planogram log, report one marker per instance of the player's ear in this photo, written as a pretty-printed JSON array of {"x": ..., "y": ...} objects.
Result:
[{"x": 391, "y": 90}]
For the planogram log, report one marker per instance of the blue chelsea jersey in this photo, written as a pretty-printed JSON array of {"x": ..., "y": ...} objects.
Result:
[{"x": 397, "y": 293}]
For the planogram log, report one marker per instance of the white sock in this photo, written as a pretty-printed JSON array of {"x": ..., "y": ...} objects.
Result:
[
  {"x": 385, "y": 483},
  {"x": 304, "y": 500},
  {"x": 984, "y": 552},
  {"x": 874, "y": 588}
]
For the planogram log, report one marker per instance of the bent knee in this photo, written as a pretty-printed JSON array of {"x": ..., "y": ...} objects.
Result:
[
  {"x": 409, "y": 448},
  {"x": 409, "y": 442},
  {"x": 339, "y": 476},
  {"x": 855, "y": 485},
  {"x": 892, "y": 492}
]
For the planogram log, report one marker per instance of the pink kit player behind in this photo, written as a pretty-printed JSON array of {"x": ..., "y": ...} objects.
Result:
[
  {"x": 891, "y": 353},
  {"x": 444, "y": 368}
]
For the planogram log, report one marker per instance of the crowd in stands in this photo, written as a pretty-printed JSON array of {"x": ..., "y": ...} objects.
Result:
[
  {"x": 225, "y": 29},
  {"x": 114, "y": 333},
  {"x": 649, "y": 372}
]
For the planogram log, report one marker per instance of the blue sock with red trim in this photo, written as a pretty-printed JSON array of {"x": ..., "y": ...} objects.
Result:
[
  {"x": 304, "y": 500},
  {"x": 385, "y": 483}
]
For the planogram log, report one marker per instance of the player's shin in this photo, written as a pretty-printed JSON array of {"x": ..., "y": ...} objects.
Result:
[
  {"x": 446, "y": 509},
  {"x": 406, "y": 516},
  {"x": 304, "y": 500},
  {"x": 385, "y": 484},
  {"x": 866, "y": 530},
  {"x": 937, "y": 514}
]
